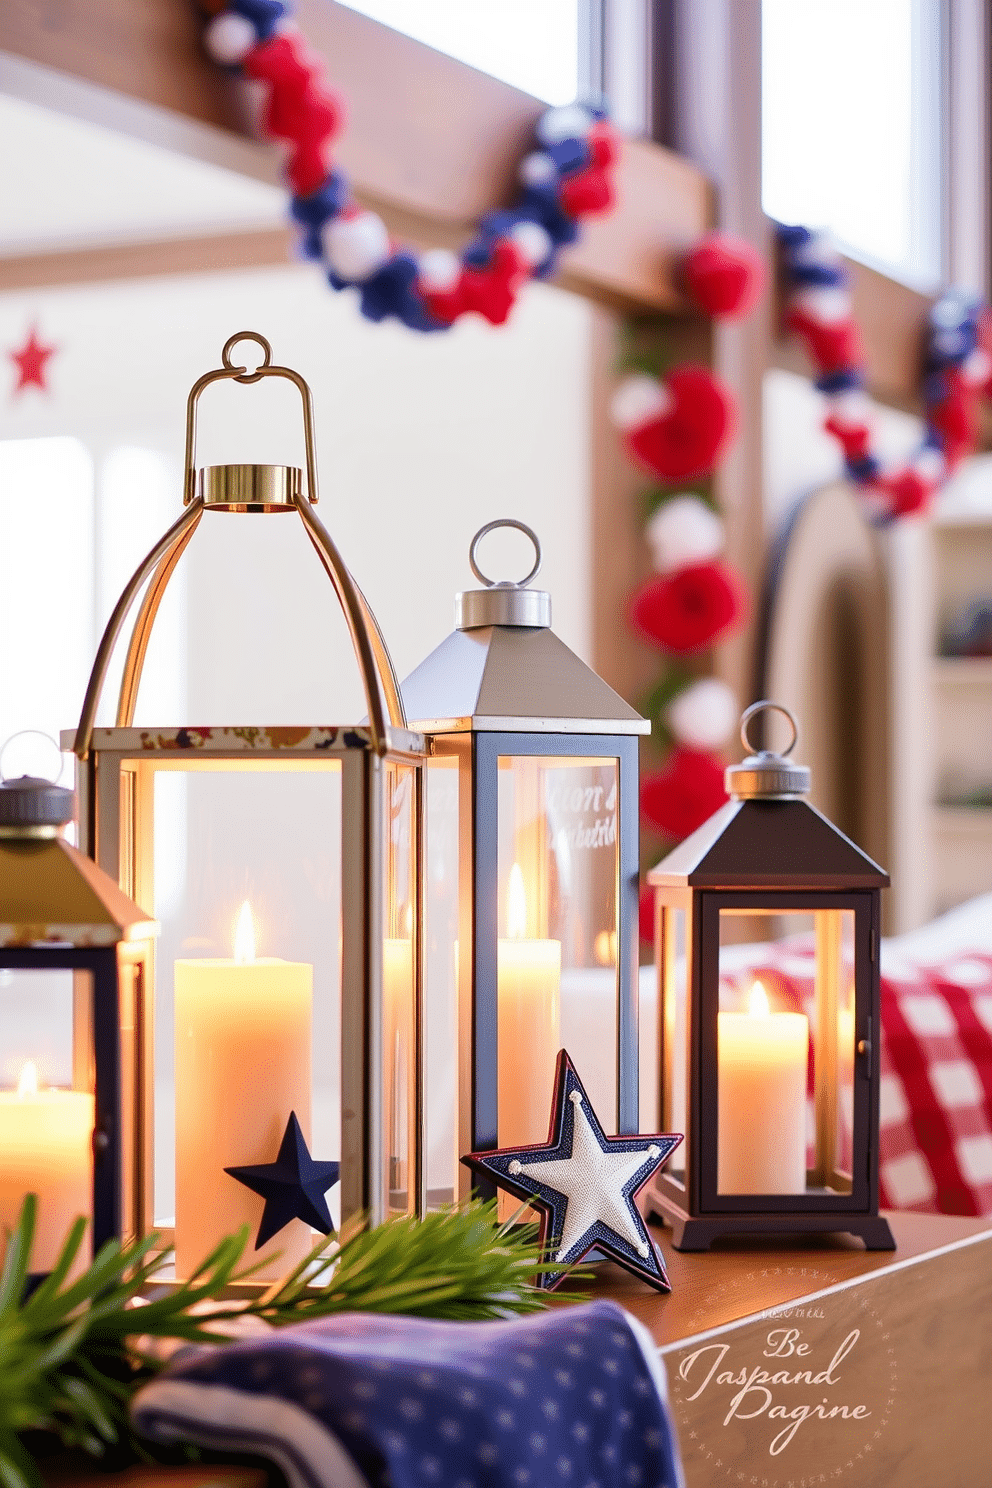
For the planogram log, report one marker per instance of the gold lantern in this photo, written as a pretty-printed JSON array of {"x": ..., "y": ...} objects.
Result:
[{"x": 317, "y": 828}]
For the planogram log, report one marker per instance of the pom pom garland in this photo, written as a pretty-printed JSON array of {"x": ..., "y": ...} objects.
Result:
[
  {"x": 569, "y": 176},
  {"x": 957, "y": 368},
  {"x": 683, "y": 530},
  {"x": 638, "y": 400}
]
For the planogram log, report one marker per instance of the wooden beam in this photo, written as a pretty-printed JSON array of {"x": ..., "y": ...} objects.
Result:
[
  {"x": 430, "y": 142},
  {"x": 214, "y": 254}
]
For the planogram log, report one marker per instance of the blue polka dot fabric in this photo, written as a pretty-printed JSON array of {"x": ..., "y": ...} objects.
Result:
[{"x": 575, "y": 1397}]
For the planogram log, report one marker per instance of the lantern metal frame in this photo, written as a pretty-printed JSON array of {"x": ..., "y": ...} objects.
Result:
[
  {"x": 59, "y": 912},
  {"x": 474, "y": 698},
  {"x": 116, "y": 766},
  {"x": 767, "y": 853}
]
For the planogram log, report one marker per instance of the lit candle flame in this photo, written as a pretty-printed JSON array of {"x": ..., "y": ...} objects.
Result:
[
  {"x": 244, "y": 937},
  {"x": 758, "y": 1002},
  {"x": 516, "y": 905},
  {"x": 28, "y": 1083}
]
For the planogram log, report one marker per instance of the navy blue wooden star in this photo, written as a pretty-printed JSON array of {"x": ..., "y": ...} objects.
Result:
[
  {"x": 584, "y": 1184},
  {"x": 293, "y": 1186}
]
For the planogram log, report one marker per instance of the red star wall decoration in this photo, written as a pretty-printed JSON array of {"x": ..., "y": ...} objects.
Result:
[{"x": 31, "y": 362}]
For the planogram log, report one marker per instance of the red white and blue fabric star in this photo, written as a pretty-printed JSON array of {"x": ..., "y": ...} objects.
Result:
[
  {"x": 584, "y": 1183},
  {"x": 567, "y": 176},
  {"x": 293, "y": 1186}
]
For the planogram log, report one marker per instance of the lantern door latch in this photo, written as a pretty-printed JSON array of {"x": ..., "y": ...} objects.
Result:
[{"x": 864, "y": 1051}]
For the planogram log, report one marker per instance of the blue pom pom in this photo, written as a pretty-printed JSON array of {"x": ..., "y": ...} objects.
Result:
[
  {"x": 864, "y": 470},
  {"x": 817, "y": 275},
  {"x": 312, "y": 211},
  {"x": 540, "y": 204},
  {"x": 569, "y": 155},
  {"x": 392, "y": 292},
  {"x": 843, "y": 381},
  {"x": 792, "y": 237},
  {"x": 264, "y": 15}
]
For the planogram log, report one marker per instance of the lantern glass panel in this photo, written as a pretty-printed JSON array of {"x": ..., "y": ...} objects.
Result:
[
  {"x": 46, "y": 1103},
  {"x": 557, "y": 980},
  {"x": 36, "y": 1016},
  {"x": 441, "y": 950},
  {"x": 248, "y": 1006},
  {"x": 785, "y": 1052},
  {"x": 673, "y": 1001},
  {"x": 399, "y": 1073}
]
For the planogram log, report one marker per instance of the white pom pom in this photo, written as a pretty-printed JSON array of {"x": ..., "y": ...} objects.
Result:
[
  {"x": 977, "y": 367},
  {"x": 930, "y": 464},
  {"x": 537, "y": 169},
  {"x": 229, "y": 38},
  {"x": 533, "y": 241},
  {"x": 705, "y": 715},
  {"x": 685, "y": 530},
  {"x": 570, "y": 121},
  {"x": 826, "y": 305},
  {"x": 819, "y": 250},
  {"x": 356, "y": 246},
  {"x": 851, "y": 408},
  {"x": 638, "y": 400},
  {"x": 439, "y": 270}
]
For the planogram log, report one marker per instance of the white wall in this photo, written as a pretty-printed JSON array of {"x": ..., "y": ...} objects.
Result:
[{"x": 419, "y": 441}]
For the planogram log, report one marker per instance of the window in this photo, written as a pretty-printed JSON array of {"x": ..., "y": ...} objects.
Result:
[
  {"x": 851, "y": 126},
  {"x": 533, "y": 44}
]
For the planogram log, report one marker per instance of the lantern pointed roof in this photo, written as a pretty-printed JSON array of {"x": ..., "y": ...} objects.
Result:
[
  {"x": 770, "y": 843},
  {"x": 50, "y": 893},
  {"x": 517, "y": 678}
]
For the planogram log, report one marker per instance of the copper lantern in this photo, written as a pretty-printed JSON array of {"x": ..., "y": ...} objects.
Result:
[
  {"x": 316, "y": 828},
  {"x": 767, "y": 961},
  {"x": 531, "y": 869}
]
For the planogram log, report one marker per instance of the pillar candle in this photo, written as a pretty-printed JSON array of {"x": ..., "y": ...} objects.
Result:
[
  {"x": 46, "y": 1148},
  {"x": 243, "y": 1063},
  {"x": 761, "y": 1100},
  {"x": 397, "y": 975},
  {"x": 529, "y": 1025}
]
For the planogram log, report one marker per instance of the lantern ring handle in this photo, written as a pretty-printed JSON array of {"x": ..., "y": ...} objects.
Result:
[
  {"x": 40, "y": 733},
  {"x": 491, "y": 527},
  {"x": 765, "y": 705},
  {"x": 241, "y": 374}
]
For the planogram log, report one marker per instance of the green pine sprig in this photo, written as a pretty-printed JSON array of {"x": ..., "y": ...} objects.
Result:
[{"x": 68, "y": 1361}]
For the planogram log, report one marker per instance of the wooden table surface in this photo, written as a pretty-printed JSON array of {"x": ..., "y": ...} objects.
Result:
[{"x": 919, "y": 1370}]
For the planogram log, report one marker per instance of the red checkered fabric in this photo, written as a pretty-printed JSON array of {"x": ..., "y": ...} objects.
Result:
[{"x": 935, "y": 1145}]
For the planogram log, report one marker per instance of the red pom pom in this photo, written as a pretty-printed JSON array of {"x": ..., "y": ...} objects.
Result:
[
  {"x": 588, "y": 191},
  {"x": 492, "y": 291},
  {"x": 909, "y": 491},
  {"x": 954, "y": 418},
  {"x": 833, "y": 346},
  {"x": 306, "y": 168},
  {"x": 689, "y": 438},
  {"x": 679, "y": 798},
  {"x": 281, "y": 61},
  {"x": 446, "y": 304},
  {"x": 604, "y": 143},
  {"x": 645, "y": 915},
  {"x": 854, "y": 438},
  {"x": 691, "y": 608},
  {"x": 724, "y": 275}
]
